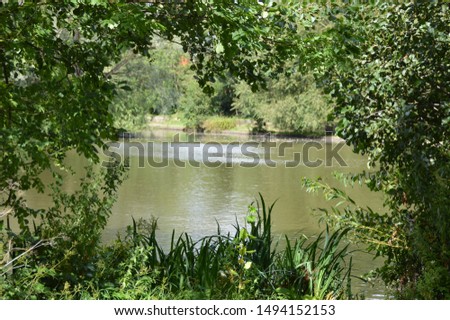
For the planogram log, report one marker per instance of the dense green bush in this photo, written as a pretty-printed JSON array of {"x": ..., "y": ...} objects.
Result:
[
  {"x": 59, "y": 248},
  {"x": 392, "y": 104}
]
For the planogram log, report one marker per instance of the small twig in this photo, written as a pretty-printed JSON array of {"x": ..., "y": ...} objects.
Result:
[
  {"x": 117, "y": 67},
  {"x": 5, "y": 212},
  {"x": 40, "y": 243}
]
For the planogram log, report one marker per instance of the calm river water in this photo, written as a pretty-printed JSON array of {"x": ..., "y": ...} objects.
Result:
[{"x": 191, "y": 185}]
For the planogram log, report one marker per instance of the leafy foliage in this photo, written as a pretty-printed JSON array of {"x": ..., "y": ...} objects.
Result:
[
  {"x": 62, "y": 250},
  {"x": 291, "y": 103},
  {"x": 152, "y": 87},
  {"x": 392, "y": 103},
  {"x": 164, "y": 85}
]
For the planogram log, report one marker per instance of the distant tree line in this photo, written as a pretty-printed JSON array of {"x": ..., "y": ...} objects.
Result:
[{"x": 166, "y": 85}]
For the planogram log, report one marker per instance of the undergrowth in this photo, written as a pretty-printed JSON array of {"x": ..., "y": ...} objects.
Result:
[{"x": 239, "y": 265}]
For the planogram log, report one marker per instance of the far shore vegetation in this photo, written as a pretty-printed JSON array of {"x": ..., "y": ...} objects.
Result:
[{"x": 163, "y": 93}]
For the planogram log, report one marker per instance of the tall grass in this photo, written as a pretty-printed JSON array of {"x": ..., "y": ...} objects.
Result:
[
  {"x": 316, "y": 268},
  {"x": 243, "y": 265}
]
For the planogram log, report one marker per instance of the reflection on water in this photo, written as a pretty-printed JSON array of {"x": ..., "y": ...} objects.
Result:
[{"x": 195, "y": 198}]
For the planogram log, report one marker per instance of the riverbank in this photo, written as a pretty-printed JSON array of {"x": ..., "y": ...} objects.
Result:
[{"x": 234, "y": 127}]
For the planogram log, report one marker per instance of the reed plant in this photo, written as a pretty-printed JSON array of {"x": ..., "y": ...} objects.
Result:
[
  {"x": 315, "y": 268},
  {"x": 239, "y": 265}
]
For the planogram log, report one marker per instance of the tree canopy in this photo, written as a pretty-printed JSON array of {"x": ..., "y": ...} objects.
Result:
[{"x": 391, "y": 89}]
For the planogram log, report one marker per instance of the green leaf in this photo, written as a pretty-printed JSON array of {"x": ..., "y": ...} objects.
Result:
[{"x": 219, "y": 48}]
